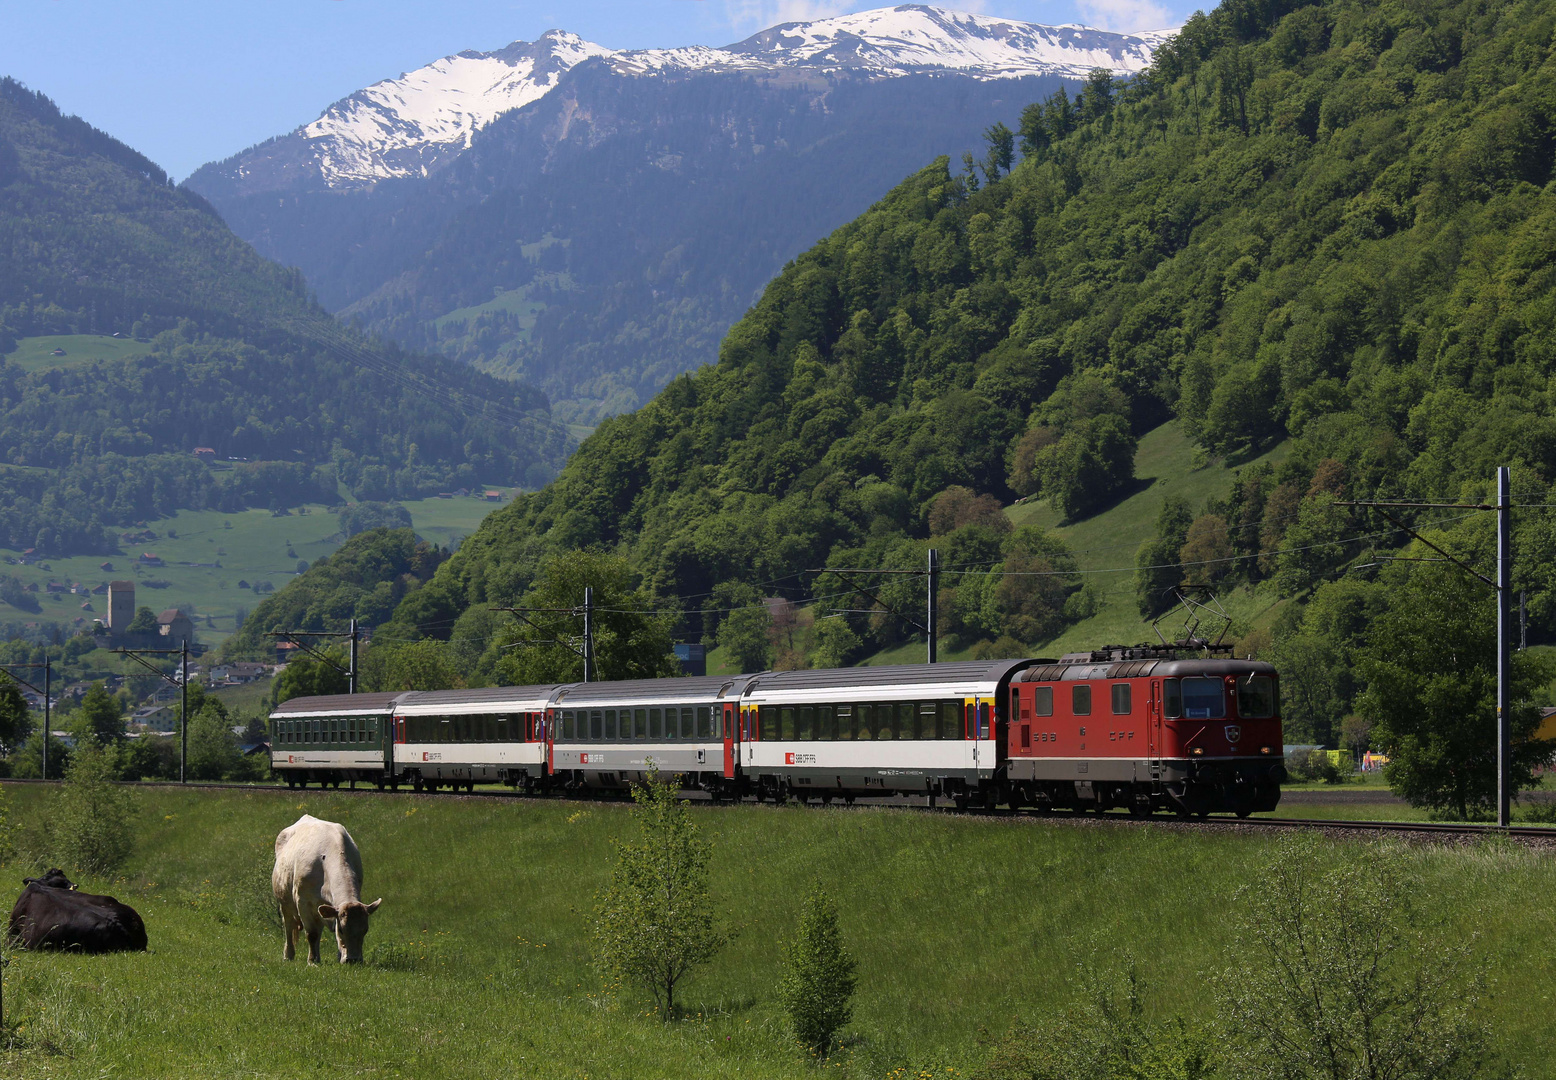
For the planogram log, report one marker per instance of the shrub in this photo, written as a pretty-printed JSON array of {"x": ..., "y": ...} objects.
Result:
[
  {"x": 818, "y": 976},
  {"x": 90, "y": 828}
]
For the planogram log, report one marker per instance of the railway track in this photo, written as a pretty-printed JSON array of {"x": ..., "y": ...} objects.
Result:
[{"x": 1463, "y": 830}]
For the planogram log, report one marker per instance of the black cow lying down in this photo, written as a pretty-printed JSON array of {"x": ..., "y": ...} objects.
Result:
[{"x": 51, "y": 914}]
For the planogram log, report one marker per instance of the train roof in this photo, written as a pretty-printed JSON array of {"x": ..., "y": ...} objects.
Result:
[
  {"x": 1085, "y": 666},
  {"x": 691, "y": 688},
  {"x": 340, "y": 703},
  {"x": 891, "y": 675},
  {"x": 472, "y": 700}
]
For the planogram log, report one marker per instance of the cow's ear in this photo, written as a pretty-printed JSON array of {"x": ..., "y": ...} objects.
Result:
[
  {"x": 327, "y": 912},
  {"x": 374, "y": 905}
]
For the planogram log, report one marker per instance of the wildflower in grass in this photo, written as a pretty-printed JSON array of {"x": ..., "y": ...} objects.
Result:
[{"x": 819, "y": 976}]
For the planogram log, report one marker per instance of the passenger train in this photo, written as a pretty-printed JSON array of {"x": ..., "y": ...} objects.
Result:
[{"x": 1144, "y": 729}]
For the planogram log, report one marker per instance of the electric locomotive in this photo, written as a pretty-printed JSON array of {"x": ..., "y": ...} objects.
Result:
[{"x": 1145, "y": 729}]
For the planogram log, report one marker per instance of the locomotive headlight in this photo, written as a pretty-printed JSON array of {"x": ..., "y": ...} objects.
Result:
[
  {"x": 1197, "y": 750},
  {"x": 1264, "y": 749}
]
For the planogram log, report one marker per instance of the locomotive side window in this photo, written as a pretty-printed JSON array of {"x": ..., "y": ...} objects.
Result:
[
  {"x": 1203, "y": 699},
  {"x": 1172, "y": 699},
  {"x": 1080, "y": 700},
  {"x": 1043, "y": 700},
  {"x": 1122, "y": 698},
  {"x": 1256, "y": 697}
]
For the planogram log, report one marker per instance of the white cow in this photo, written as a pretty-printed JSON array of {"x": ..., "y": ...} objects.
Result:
[{"x": 318, "y": 878}]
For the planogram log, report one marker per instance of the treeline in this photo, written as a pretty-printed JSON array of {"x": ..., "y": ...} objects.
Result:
[{"x": 94, "y": 241}]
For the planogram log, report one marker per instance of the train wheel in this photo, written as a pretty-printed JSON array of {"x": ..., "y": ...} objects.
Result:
[
  {"x": 1244, "y": 813},
  {"x": 1138, "y": 810},
  {"x": 1202, "y": 814}
]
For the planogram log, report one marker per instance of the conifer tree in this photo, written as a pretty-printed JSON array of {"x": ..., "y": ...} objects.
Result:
[{"x": 819, "y": 976}]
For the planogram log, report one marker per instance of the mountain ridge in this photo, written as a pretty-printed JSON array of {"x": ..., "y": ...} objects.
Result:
[{"x": 407, "y": 126}]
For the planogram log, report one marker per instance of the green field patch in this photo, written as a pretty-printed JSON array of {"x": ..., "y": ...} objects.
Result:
[
  {"x": 37, "y": 353},
  {"x": 479, "y": 959},
  {"x": 254, "y": 547}
]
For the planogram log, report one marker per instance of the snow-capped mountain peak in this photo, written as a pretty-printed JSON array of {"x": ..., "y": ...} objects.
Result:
[{"x": 401, "y": 127}]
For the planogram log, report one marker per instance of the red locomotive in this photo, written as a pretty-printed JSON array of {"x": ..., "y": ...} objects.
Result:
[{"x": 1144, "y": 729}]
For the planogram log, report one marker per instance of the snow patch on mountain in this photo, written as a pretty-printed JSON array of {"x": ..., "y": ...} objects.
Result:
[{"x": 402, "y": 127}]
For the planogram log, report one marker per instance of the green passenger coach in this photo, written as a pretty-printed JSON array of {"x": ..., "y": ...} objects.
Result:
[{"x": 339, "y": 737}]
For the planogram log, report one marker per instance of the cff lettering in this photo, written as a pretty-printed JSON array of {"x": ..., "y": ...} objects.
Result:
[{"x": 788, "y": 759}]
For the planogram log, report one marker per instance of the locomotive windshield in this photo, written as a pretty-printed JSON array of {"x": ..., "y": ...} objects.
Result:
[
  {"x": 1203, "y": 699},
  {"x": 1256, "y": 697}
]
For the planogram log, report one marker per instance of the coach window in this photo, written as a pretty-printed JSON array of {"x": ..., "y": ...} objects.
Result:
[
  {"x": 983, "y": 719},
  {"x": 844, "y": 723},
  {"x": 885, "y": 723},
  {"x": 568, "y": 730},
  {"x": 610, "y": 725},
  {"x": 596, "y": 724},
  {"x": 1122, "y": 699},
  {"x": 928, "y": 721},
  {"x": 1080, "y": 700},
  {"x": 704, "y": 722},
  {"x": 1043, "y": 700},
  {"x": 907, "y": 720},
  {"x": 806, "y": 729},
  {"x": 1203, "y": 699},
  {"x": 640, "y": 723},
  {"x": 826, "y": 723},
  {"x": 864, "y": 723},
  {"x": 786, "y": 723},
  {"x": 951, "y": 721}
]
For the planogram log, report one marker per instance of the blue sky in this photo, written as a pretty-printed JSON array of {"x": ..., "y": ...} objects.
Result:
[{"x": 188, "y": 82}]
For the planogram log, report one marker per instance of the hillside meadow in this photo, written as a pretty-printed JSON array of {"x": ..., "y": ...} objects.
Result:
[
  {"x": 252, "y": 546},
  {"x": 478, "y": 961}
]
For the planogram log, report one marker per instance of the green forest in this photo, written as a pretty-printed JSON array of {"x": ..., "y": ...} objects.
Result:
[
  {"x": 1323, "y": 221},
  {"x": 94, "y": 240}
]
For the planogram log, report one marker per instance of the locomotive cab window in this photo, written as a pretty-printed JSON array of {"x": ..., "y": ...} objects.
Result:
[
  {"x": 1043, "y": 700},
  {"x": 1256, "y": 697},
  {"x": 1203, "y": 699}
]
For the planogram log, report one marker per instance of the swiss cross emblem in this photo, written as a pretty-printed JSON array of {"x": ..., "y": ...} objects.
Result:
[
  {"x": 788, "y": 759},
  {"x": 1233, "y": 733}
]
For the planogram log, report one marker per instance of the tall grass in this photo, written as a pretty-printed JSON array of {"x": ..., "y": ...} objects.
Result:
[{"x": 478, "y": 960}]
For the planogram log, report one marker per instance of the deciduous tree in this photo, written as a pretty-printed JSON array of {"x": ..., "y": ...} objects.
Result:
[{"x": 656, "y": 922}]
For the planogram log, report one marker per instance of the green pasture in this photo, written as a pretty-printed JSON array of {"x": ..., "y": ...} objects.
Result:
[
  {"x": 37, "y": 353},
  {"x": 252, "y": 546},
  {"x": 478, "y": 962}
]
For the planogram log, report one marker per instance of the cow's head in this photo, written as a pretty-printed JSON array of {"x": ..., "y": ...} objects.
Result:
[
  {"x": 54, "y": 879},
  {"x": 350, "y": 926}
]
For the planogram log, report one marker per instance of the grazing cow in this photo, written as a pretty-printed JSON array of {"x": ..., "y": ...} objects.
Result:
[
  {"x": 318, "y": 879},
  {"x": 50, "y": 916}
]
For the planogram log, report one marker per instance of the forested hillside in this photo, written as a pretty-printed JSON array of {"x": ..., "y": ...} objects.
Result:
[
  {"x": 1329, "y": 221},
  {"x": 94, "y": 241},
  {"x": 600, "y": 242}
]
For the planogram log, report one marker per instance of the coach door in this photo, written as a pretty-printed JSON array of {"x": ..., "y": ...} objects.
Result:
[{"x": 730, "y": 715}]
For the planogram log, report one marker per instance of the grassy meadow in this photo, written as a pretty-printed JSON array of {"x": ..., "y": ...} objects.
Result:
[
  {"x": 37, "y": 353},
  {"x": 478, "y": 961},
  {"x": 252, "y": 546}
]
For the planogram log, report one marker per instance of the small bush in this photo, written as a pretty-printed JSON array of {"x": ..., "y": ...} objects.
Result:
[
  {"x": 90, "y": 827},
  {"x": 1311, "y": 765},
  {"x": 818, "y": 977}
]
